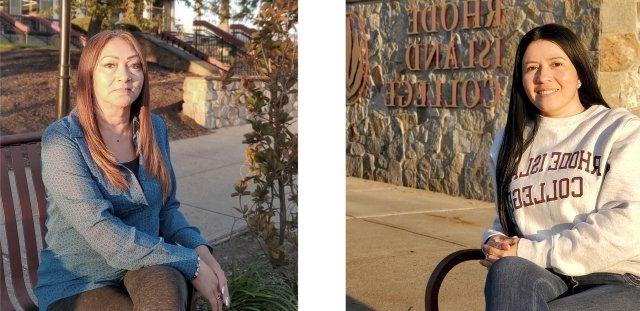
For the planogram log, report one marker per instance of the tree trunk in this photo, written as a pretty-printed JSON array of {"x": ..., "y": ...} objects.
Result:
[
  {"x": 225, "y": 15},
  {"x": 197, "y": 8}
]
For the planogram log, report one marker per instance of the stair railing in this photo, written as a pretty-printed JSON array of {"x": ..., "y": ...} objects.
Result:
[
  {"x": 174, "y": 40},
  {"x": 76, "y": 38},
  {"x": 13, "y": 30}
]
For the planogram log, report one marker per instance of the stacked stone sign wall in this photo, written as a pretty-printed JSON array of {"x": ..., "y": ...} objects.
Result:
[
  {"x": 619, "y": 74},
  {"x": 212, "y": 104},
  {"x": 438, "y": 84}
]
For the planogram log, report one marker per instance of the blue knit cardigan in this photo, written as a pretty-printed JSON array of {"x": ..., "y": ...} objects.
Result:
[{"x": 96, "y": 232}]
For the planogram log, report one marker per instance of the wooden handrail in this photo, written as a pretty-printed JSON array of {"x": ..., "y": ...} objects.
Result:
[
  {"x": 56, "y": 27},
  {"x": 229, "y": 38},
  {"x": 17, "y": 24},
  {"x": 189, "y": 48},
  {"x": 244, "y": 28}
]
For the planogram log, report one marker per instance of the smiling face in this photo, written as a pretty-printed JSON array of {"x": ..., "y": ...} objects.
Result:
[
  {"x": 118, "y": 75},
  {"x": 550, "y": 80}
]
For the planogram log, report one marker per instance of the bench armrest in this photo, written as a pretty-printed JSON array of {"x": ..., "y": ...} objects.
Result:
[{"x": 441, "y": 270}]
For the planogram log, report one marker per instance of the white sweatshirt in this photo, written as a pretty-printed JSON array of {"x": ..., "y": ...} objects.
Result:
[{"x": 577, "y": 193}]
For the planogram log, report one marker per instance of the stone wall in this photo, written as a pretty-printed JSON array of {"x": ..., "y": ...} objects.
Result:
[
  {"x": 619, "y": 75},
  {"x": 211, "y": 105},
  {"x": 445, "y": 149}
]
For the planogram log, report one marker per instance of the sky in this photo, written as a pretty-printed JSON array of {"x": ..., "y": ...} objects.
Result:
[{"x": 184, "y": 16}]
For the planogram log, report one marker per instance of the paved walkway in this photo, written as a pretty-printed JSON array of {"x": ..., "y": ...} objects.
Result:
[
  {"x": 395, "y": 238},
  {"x": 206, "y": 169}
]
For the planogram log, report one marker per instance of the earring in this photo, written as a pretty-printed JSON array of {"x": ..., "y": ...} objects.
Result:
[{"x": 579, "y": 84}]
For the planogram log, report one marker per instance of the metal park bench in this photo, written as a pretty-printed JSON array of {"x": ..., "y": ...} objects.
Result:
[
  {"x": 441, "y": 270},
  {"x": 23, "y": 206},
  {"x": 19, "y": 164}
]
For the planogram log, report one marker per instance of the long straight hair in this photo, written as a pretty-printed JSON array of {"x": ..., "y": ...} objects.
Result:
[
  {"x": 87, "y": 107},
  {"x": 522, "y": 112}
]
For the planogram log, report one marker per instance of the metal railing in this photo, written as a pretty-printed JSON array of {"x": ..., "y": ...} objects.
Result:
[
  {"x": 13, "y": 30},
  {"x": 77, "y": 41},
  {"x": 242, "y": 32},
  {"x": 76, "y": 38},
  {"x": 37, "y": 29},
  {"x": 241, "y": 35},
  {"x": 220, "y": 33},
  {"x": 35, "y": 26},
  {"x": 18, "y": 28},
  {"x": 221, "y": 45},
  {"x": 175, "y": 40},
  {"x": 212, "y": 45}
]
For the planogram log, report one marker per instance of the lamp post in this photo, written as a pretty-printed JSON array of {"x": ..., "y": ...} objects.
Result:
[{"x": 62, "y": 106}]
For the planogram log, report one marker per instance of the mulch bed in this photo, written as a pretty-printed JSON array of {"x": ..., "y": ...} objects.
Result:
[{"x": 29, "y": 84}]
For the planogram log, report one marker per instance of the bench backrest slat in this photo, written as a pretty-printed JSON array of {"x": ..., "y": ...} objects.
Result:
[
  {"x": 15, "y": 157},
  {"x": 11, "y": 227},
  {"x": 33, "y": 150},
  {"x": 5, "y": 303},
  {"x": 28, "y": 230}
]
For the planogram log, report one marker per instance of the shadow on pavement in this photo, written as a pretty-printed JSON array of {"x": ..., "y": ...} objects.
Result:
[{"x": 355, "y": 305}]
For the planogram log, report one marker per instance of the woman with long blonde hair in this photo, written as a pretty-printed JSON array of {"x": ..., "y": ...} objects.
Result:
[{"x": 116, "y": 238}]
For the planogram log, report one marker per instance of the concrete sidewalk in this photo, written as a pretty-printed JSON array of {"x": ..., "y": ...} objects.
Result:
[
  {"x": 206, "y": 169},
  {"x": 395, "y": 238}
]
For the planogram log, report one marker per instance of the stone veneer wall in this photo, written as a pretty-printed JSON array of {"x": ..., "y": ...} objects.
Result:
[
  {"x": 619, "y": 74},
  {"x": 211, "y": 105},
  {"x": 445, "y": 149}
]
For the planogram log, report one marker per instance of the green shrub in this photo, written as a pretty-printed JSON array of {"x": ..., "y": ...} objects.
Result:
[
  {"x": 272, "y": 152},
  {"x": 81, "y": 24},
  {"x": 262, "y": 288}
]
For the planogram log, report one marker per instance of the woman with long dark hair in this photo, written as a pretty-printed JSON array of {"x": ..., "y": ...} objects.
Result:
[
  {"x": 567, "y": 173},
  {"x": 116, "y": 239}
]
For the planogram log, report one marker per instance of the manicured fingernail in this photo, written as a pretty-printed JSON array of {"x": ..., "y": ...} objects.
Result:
[{"x": 227, "y": 302}]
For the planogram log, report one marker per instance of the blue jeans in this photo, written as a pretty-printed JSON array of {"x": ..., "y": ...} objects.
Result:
[{"x": 514, "y": 283}]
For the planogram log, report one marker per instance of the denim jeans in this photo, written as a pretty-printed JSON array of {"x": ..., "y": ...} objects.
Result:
[{"x": 514, "y": 283}]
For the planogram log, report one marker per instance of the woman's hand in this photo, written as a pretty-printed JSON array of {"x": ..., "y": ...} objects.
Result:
[
  {"x": 212, "y": 263},
  {"x": 497, "y": 247},
  {"x": 206, "y": 283}
]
